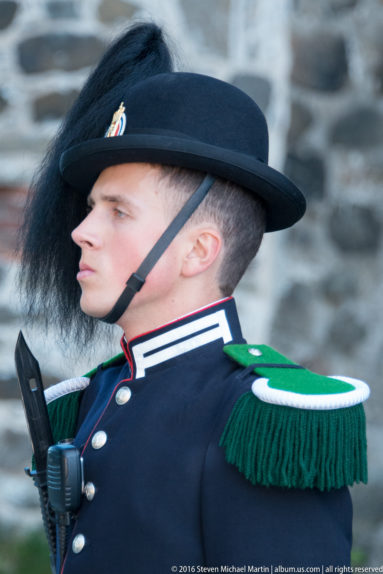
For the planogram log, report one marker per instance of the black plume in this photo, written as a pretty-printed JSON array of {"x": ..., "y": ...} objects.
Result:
[{"x": 49, "y": 258}]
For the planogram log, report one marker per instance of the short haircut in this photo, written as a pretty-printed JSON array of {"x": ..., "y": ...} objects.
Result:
[{"x": 239, "y": 214}]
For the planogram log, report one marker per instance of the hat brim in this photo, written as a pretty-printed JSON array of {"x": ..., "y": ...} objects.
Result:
[{"x": 81, "y": 165}]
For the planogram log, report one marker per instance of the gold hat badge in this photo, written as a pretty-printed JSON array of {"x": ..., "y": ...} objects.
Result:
[{"x": 117, "y": 127}]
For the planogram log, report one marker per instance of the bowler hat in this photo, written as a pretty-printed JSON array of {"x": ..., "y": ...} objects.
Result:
[{"x": 197, "y": 122}]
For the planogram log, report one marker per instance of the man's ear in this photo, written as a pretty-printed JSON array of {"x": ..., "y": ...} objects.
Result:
[{"x": 204, "y": 246}]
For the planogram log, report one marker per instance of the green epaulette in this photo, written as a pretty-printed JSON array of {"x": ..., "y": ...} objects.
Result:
[
  {"x": 63, "y": 401},
  {"x": 296, "y": 429},
  {"x": 109, "y": 363}
]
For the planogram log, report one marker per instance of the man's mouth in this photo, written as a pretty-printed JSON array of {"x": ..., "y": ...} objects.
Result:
[{"x": 85, "y": 271}]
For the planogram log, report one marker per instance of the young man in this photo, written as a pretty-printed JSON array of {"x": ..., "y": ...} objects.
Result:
[{"x": 201, "y": 453}]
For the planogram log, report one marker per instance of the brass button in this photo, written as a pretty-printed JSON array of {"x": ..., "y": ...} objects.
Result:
[
  {"x": 99, "y": 439},
  {"x": 78, "y": 543},
  {"x": 90, "y": 490},
  {"x": 123, "y": 395}
]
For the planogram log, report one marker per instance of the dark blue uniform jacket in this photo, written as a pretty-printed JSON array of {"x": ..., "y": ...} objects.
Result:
[{"x": 164, "y": 494}]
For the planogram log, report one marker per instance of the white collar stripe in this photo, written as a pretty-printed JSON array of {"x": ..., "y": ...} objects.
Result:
[{"x": 219, "y": 330}]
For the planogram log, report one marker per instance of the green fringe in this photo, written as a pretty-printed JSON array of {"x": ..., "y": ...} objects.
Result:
[
  {"x": 274, "y": 445},
  {"x": 63, "y": 413}
]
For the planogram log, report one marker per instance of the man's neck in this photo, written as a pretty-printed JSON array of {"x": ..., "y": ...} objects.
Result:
[{"x": 141, "y": 319}]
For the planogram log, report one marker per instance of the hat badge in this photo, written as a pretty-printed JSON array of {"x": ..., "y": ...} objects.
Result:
[{"x": 118, "y": 125}]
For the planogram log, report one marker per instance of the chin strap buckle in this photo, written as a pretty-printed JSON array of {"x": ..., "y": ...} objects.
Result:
[{"x": 135, "y": 282}]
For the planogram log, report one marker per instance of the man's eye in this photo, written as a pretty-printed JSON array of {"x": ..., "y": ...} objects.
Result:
[{"x": 119, "y": 213}]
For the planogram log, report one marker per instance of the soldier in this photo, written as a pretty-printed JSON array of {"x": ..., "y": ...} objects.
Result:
[{"x": 200, "y": 452}]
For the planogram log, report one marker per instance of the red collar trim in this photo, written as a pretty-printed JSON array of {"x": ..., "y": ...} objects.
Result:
[{"x": 125, "y": 344}]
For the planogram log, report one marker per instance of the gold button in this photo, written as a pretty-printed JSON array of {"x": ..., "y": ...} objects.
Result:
[
  {"x": 90, "y": 490},
  {"x": 99, "y": 439},
  {"x": 78, "y": 543},
  {"x": 123, "y": 395}
]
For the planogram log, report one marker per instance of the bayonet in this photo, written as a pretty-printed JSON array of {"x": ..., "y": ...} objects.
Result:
[{"x": 36, "y": 412}]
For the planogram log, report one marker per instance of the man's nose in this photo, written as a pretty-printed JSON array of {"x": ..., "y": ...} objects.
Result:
[{"x": 88, "y": 232}]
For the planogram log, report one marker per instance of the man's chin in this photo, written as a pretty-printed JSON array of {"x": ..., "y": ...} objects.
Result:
[{"x": 96, "y": 311}]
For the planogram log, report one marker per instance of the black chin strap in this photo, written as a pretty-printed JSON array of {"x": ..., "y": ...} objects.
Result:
[{"x": 137, "y": 279}]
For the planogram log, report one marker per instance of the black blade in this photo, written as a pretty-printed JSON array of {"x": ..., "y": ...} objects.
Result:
[{"x": 32, "y": 392}]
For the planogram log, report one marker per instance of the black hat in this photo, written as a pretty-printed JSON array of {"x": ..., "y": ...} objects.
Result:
[{"x": 197, "y": 122}]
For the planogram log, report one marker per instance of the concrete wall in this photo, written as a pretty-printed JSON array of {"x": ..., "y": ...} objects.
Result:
[{"x": 315, "y": 291}]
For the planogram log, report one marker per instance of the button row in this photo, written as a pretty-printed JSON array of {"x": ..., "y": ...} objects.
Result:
[{"x": 99, "y": 439}]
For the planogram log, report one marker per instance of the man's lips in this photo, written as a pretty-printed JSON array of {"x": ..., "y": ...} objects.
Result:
[{"x": 85, "y": 271}]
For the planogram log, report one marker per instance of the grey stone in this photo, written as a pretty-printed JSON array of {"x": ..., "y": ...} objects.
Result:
[
  {"x": 208, "y": 21},
  {"x": 373, "y": 54},
  {"x": 370, "y": 48},
  {"x": 111, "y": 11},
  {"x": 53, "y": 106},
  {"x": 367, "y": 515},
  {"x": 319, "y": 61},
  {"x": 7, "y": 314},
  {"x": 18, "y": 491},
  {"x": 376, "y": 554},
  {"x": 3, "y": 103},
  {"x": 359, "y": 128},
  {"x": 324, "y": 8},
  {"x": 355, "y": 229},
  {"x": 307, "y": 171},
  {"x": 374, "y": 407},
  {"x": 300, "y": 119},
  {"x": 14, "y": 444},
  {"x": 14, "y": 449},
  {"x": 378, "y": 74},
  {"x": 364, "y": 500},
  {"x": 9, "y": 388},
  {"x": 302, "y": 237},
  {"x": 62, "y": 9},
  {"x": 342, "y": 5},
  {"x": 347, "y": 332},
  {"x": 28, "y": 143},
  {"x": 374, "y": 446},
  {"x": 339, "y": 285},
  {"x": 292, "y": 325},
  {"x": 308, "y": 8},
  {"x": 59, "y": 51},
  {"x": 256, "y": 87},
  {"x": 8, "y": 10}
]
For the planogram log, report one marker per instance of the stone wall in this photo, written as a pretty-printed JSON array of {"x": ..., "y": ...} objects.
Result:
[{"x": 316, "y": 69}]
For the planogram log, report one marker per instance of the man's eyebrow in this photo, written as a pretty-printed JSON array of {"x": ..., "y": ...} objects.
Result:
[{"x": 111, "y": 198}]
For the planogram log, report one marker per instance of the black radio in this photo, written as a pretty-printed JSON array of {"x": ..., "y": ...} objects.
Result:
[{"x": 65, "y": 477}]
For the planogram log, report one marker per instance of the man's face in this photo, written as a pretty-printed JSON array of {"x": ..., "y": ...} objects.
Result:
[{"x": 127, "y": 215}]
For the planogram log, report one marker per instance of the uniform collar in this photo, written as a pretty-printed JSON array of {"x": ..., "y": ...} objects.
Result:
[{"x": 218, "y": 322}]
